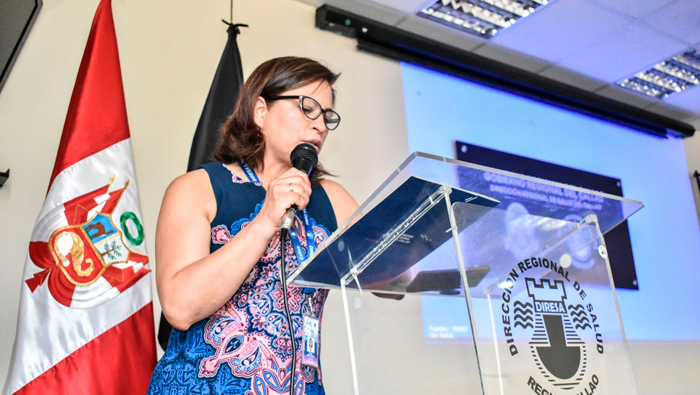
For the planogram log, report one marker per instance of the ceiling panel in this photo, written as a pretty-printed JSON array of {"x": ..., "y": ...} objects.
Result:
[
  {"x": 407, "y": 6},
  {"x": 680, "y": 20},
  {"x": 630, "y": 49},
  {"x": 560, "y": 29},
  {"x": 634, "y": 8}
]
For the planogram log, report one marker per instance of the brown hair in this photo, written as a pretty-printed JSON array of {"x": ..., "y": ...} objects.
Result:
[{"x": 240, "y": 137}]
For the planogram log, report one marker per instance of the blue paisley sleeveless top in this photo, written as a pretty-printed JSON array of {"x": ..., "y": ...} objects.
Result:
[{"x": 244, "y": 348}]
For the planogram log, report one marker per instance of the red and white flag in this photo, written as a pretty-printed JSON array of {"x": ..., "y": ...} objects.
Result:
[{"x": 86, "y": 316}]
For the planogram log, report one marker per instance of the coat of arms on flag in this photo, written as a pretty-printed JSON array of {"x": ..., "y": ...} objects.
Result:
[{"x": 88, "y": 260}]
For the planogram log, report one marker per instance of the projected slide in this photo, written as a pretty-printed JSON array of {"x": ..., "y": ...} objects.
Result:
[
  {"x": 526, "y": 198},
  {"x": 664, "y": 236}
]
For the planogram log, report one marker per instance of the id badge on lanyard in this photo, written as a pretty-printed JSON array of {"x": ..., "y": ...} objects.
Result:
[
  {"x": 310, "y": 339},
  {"x": 311, "y": 323}
]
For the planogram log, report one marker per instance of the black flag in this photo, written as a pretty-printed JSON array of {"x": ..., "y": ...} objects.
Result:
[
  {"x": 220, "y": 101},
  {"x": 218, "y": 107}
]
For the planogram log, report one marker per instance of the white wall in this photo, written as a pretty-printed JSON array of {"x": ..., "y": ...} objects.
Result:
[{"x": 169, "y": 51}]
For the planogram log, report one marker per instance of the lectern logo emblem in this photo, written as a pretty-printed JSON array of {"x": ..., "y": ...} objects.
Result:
[
  {"x": 556, "y": 347},
  {"x": 550, "y": 323}
]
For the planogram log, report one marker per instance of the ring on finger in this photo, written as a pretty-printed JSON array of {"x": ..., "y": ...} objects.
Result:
[{"x": 291, "y": 187}]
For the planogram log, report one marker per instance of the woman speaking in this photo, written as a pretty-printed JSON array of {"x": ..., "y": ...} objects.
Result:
[{"x": 218, "y": 246}]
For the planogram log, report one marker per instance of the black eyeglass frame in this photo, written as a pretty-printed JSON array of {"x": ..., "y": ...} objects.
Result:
[{"x": 301, "y": 107}]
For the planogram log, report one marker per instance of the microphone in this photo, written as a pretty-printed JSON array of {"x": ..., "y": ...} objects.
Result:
[{"x": 304, "y": 157}]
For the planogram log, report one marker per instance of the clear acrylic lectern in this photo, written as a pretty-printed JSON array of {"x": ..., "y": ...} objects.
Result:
[{"x": 448, "y": 290}]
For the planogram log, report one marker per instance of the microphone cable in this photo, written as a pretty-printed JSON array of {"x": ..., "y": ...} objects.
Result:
[
  {"x": 283, "y": 276},
  {"x": 303, "y": 157}
]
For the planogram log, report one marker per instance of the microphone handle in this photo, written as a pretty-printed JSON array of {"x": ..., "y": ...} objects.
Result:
[{"x": 289, "y": 217}]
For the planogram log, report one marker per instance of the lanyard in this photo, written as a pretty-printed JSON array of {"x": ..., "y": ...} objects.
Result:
[{"x": 293, "y": 235}]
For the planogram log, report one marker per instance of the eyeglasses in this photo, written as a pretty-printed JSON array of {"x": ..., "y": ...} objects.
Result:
[{"x": 313, "y": 110}]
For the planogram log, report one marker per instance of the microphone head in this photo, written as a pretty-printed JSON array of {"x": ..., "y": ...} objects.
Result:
[{"x": 304, "y": 157}]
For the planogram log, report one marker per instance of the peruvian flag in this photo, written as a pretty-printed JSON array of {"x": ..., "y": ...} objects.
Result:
[{"x": 86, "y": 316}]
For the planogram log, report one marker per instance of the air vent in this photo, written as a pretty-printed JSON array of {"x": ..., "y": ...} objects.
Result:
[
  {"x": 668, "y": 77},
  {"x": 484, "y": 18}
]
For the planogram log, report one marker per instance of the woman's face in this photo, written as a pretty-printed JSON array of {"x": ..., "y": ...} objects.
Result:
[{"x": 284, "y": 125}]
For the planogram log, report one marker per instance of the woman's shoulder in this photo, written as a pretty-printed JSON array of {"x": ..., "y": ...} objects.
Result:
[
  {"x": 343, "y": 203},
  {"x": 219, "y": 175},
  {"x": 332, "y": 187},
  {"x": 192, "y": 189},
  {"x": 192, "y": 181}
]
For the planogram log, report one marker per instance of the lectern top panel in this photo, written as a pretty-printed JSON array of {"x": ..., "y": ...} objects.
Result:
[{"x": 411, "y": 218}]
